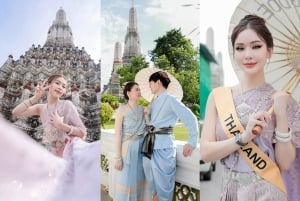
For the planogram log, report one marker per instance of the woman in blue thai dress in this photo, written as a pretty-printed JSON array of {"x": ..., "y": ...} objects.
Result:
[{"x": 129, "y": 131}]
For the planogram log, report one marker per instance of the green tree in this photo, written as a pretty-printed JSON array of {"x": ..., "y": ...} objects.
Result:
[
  {"x": 113, "y": 101},
  {"x": 127, "y": 73},
  {"x": 189, "y": 81},
  {"x": 106, "y": 113},
  {"x": 143, "y": 102},
  {"x": 196, "y": 109},
  {"x": 174, "y": 48}
]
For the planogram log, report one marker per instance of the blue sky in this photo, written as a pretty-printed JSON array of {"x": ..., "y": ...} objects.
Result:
[
  {"x": 96, "y": 24},
  {"x": 154, "y": 19},
  {"x": 26, "y": 22}
]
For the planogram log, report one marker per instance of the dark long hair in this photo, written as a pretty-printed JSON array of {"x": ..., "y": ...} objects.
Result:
[
  {"x": 258, "y": 25},
  {"x": 127, "y": 88}
]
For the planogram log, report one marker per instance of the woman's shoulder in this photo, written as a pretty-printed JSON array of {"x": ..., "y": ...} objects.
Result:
[
  {"x": 121, "y": 109},
  {"x": 67, "y": 103},
  {"x": 40, "y": 107}
]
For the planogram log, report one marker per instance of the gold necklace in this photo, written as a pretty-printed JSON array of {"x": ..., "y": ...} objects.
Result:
[
  {"x": 244, "y": 108},
  {"x": 136, "y": 117},
  {"x": 51, "y": 132},
  {"x": 55, "y": 108}
]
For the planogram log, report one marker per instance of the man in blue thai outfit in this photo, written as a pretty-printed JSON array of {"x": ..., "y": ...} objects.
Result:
[{"x": 159, "y": 146}]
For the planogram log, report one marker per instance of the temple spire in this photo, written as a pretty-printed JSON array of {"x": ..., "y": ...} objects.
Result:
[
  {"x": 60, "y": 33},
  {"x": 132, "y": 45}
]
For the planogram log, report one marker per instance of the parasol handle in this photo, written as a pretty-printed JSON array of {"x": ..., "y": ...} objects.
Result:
[{"x": 257, "y": 129}]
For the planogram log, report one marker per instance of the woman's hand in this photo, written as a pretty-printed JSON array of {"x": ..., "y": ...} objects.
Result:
[
  {"x": 147, "y": 114},
  {"x": 56, "y": 120},
  {"x": 187, "y": 150},
  {"x": 40, "y": 91},
  {"x": 280, "y": 100},
  {"x": 119, "y": 164},
  {"x": 260, "y": 118}
]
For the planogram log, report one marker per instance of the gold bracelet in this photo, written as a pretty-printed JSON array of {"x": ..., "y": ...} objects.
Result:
[
  {"x": 118, "y": 159},
  {"x": 25, "y": 104},
  {"x": 70, "y": 131},
  {"x": 30, "y": 101}
]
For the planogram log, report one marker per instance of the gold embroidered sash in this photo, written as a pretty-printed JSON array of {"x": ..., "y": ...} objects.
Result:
[{"x": 255, "y": 158}]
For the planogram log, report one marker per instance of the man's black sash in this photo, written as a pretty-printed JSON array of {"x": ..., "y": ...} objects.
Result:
[{"x": 149, "y": 140}]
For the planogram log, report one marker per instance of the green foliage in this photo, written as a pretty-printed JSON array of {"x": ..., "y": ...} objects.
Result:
[
  {"x": 113, "y": 101},
  {"x": 106, "y": 113},
  {"x": 196, "y": 110},
  {"x": 162, "y": 62},
  {"x": 189, "y": 81},
  {"x": 127, "y": 73},
  {"x": 143, "y": 102},
  {"x": 176, "y": 54},
  {"x": 175, "y": 49}
]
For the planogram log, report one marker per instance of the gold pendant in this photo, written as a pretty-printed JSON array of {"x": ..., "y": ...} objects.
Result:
[{"x": 243, "y": 109}]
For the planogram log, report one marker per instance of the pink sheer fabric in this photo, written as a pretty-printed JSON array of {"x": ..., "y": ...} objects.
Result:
[
  {"x": 29, "y": 172},
  {"x": 53, "y": 138},
  {"x": 81, "y": 178}
]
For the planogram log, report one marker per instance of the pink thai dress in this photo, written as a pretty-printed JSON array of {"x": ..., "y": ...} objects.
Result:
[
  {"x": 82, "y": 158},
  {"x": 29, "y": 172}
]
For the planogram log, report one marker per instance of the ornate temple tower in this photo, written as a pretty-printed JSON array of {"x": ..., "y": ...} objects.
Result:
[
  {"x": 132, "y": 45},
  {"x": 113, "y": 87},
  {"x": 217, "y": 72},
  {"x": 132, "y": 48},
  {"x": 18, "y": 78}
]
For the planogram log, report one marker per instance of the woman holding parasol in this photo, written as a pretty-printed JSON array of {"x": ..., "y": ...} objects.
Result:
[{"x": 252, "y": 163}]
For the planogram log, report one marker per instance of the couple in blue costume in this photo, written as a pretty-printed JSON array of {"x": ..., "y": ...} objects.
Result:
[{"x": 157, "y": 164}]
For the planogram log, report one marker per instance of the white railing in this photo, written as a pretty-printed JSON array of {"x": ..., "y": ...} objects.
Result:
[{"x": 187, "y": 171}]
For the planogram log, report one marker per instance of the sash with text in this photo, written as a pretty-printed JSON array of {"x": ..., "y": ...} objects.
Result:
[{"x": 255, "y": 158}]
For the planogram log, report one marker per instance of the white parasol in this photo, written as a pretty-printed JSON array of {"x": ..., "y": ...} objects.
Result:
[
  {"x": 142, "y": 78},
  {"x": 283, "y": 20}
]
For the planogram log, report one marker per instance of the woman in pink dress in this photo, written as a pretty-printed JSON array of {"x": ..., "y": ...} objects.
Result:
[
  {"x": 243, "y": 180},
  {"x": 63, "y": 136}
]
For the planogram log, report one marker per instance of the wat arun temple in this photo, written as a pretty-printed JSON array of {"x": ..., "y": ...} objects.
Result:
[{"x": 59, "y": 54}]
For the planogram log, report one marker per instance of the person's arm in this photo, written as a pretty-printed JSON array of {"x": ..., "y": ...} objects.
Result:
[
  {"x": 73, "y": 126},
  {"x": 210, "y": 148},
  {"x": 188, "y": 118},
  {"x": 72, "y": 130},
  {"x": 285, "y": 152},
  {"x": 190, "y": 121},
  {"x": 28, "y": 107},
  {"x": 118, "y": 138}
]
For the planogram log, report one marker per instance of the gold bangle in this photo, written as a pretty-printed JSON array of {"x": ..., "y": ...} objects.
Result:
[
  {"x": 71, "y": 130},
  {"x": 25, "y": 104},
  {"x": 30, "y": 101},
  {"x": 118, "y": 159}
]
